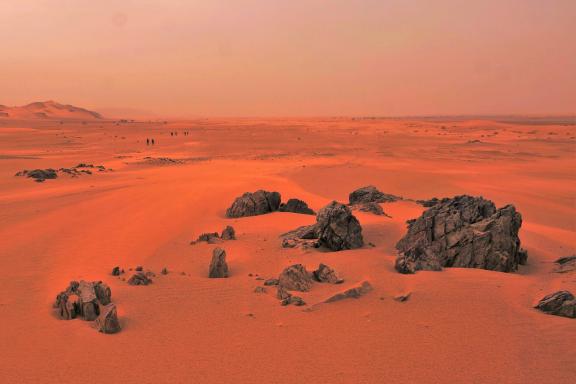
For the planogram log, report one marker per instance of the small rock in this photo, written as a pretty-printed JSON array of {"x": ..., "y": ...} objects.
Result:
[
  {"x": 293, "y": 300},
  {"x": 565, "y": 264},
  {"x": 295, "y": 278},
  {"x": 403, "y": 298},
  {"x": 296, "y": 206},
  {"x": 326, "y": 274},
  {"x": 271, "y": 282},
  {"x": 139, "y": 278},
  {"x": 254, "y": 203},
  {"x": 259, "y": 290},
  {"x": 228, "y": 233},
  {"x": 218, "y": 265},
  {"x": 352, "y": 293},
  {"x": 210, "y": 238},
  {"x": 107, "y": 321},
  {"x": 116, "y": 271},
  {"x": 561, "y": 303},
  {"x": 164, "y": 271},
  {"x": 139, "y": 268},
  {"x": 370, "y": 194}
]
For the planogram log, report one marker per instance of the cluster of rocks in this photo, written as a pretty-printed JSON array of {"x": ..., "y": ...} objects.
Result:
[
  {"x": 465, "y": 232},
  {"x": 368, "y": 199},
  {"x": 262, "y": 202},
  {"x": 297, "y": 278},
  {"x": 40, "y": 175},
  {"x": 139, "y": 277},
  {"x": 90, "y": 301},
  {"x": 227, "y": 233},
  {"x": 336, "y": 228},
  {"x": 561, "y": 303}
]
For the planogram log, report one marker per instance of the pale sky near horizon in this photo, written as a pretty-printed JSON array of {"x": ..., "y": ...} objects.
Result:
[{"x": 292, "y": 57}]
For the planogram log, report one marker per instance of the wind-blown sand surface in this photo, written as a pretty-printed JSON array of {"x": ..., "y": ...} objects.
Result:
[{"x": 459, "y": 325}]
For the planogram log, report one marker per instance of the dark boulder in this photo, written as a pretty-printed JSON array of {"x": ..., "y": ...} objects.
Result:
[
  {"x": 296, "y": 206},
  {"x": 561, "y": 303},
  {"x": 293, "y": 300},
  {"x": 218, "y": 265},
  {"x": 210, "y": 238},
  {"x": 39, "y": 174},
  {"x": 228, "y": 233},
  {"x": 565, "y": 264},
  {"x": 370, "y": 194},
  {"x": 326, "y": 274},
  {"x": 464, "y": 232},
  {"x": 295, "y": 278},
  {"x": 338, "y": 228},
  {"x": 254, "y": 203},
  {"x": 139, "y": 278},
  {"x": 107, "y": 321}
]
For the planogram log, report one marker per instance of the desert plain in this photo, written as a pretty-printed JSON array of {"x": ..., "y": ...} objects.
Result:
[{"x": 458, "y": 326}]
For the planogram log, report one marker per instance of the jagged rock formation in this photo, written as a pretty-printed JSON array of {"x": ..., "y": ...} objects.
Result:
[
  {"x": 39, "y": 175},
  {"x": 90, "y": 301},
  {"x": 561, "y": 303},
  {"x": 295, "y": 278},
  {"x": 352, "y": 293},
  {"x": 465, "y": 232},
  {"x": 336, "y": 229},
  {"x": 254, "y": 203},
  {"x": 296, "y": 206},
  {"x": 374, "y": 208},
  {"x": 210, "y": 238},
  {"x": 228, "y": 233},
  {"x": 370, "y": 194},
  {"x": 326, "y": 274},
  {"x": 218, "y": 266}
]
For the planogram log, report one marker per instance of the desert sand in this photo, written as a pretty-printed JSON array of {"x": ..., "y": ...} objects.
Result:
[{"x": 459, "y": 325}]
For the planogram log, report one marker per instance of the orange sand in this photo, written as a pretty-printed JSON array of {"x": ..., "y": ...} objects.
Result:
[{"x": 459, "y": 326}]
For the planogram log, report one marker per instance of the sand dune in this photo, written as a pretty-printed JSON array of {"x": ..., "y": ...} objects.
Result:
[
  {"x": 458, "y": 326},
  {"x": 48, "y": 110}
]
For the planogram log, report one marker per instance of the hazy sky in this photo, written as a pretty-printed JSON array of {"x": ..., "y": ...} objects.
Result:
[{"x": 292, "y": 57}]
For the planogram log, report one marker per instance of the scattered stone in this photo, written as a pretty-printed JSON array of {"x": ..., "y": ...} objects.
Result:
[
  {"x": 107, "y": 321},
  {"x": 210, "y": 238},
  {"x": 296, "y": 206},
  {"x": 259, "y": 290},
  {"x": 352, "y": 293},
  {"x": 565, "y": 264},
  {"x": 370, "y": 194},
  {"x": 561, "y": 303},
  {"x": 337, "y": 228},
  {"x": 326, "y": 274},
  {"x": 370, "y": 207},
  {"x": 164, "y": 271},
  {"x": 218, "y": 265},
  {"x": 139, "y": 268},
  {"x": 254, "y": 203},
  {"x": 116, "y": 271},
  {"x": 270, "y": 282},
  {"x": 293, "y": 300},
  {"x": 295, "y": 278},
  {"x": 139, "y": 278},
  {"x": 403, "y": 298},
  {"x": 39, "y": 175},
  {"x": 465, "y": 232},
  {"x": 228, "y": 233}
]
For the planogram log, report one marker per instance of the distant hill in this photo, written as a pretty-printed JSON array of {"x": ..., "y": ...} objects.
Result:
[{"x": 48, "y": 110}]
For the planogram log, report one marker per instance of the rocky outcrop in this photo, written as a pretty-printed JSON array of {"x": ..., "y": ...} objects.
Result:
[
  {"x": 228, "y": 233},
  {"x": 326, "y": 274},
  {"x": 336, "y": 228},
  {"x": 218, "y": 266},
  {"x": 296, "y": 206},
  {"x": 254, "y": 203},
  {"x": 210, "y": 238},
  {"x": 370, "y": 194},
  {"x": 295, "y": 278},
  {"x": 374, "y": 208},
  {"x": 352, "y": 293},
  {"x": 561, "y": 303},
  {"x": 39, "y": 175},
  {"x": 90, "y": 301},
  {"x": 465, "y": 232}
]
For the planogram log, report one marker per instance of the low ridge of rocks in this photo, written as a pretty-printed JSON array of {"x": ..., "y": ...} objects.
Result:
[
  {"x": 40, "y": 175},
  {"x": 560, "y": 303}
]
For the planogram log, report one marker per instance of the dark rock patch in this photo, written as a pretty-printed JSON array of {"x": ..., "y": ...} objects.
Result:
[
  {"x": 326, "y": 274},
  {"x": 561, "y": 303},
  {"x": 228, "y": 233},
  {"x": 295, "y": 278},
  {"x": 352, "y": 293},
  {"x": 296, "y": 206},
  {"x": 464, "y": 232},
  {"x": 370, "y": 194},
  {"x": 254, "y": 203},
  {"x": 218, "y": 266},
  {"x": 139, "y": 278},
  {"x": 565, "y": 264}
]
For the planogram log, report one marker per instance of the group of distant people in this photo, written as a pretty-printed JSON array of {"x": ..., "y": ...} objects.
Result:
[{"x": 175, "y": 133}]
